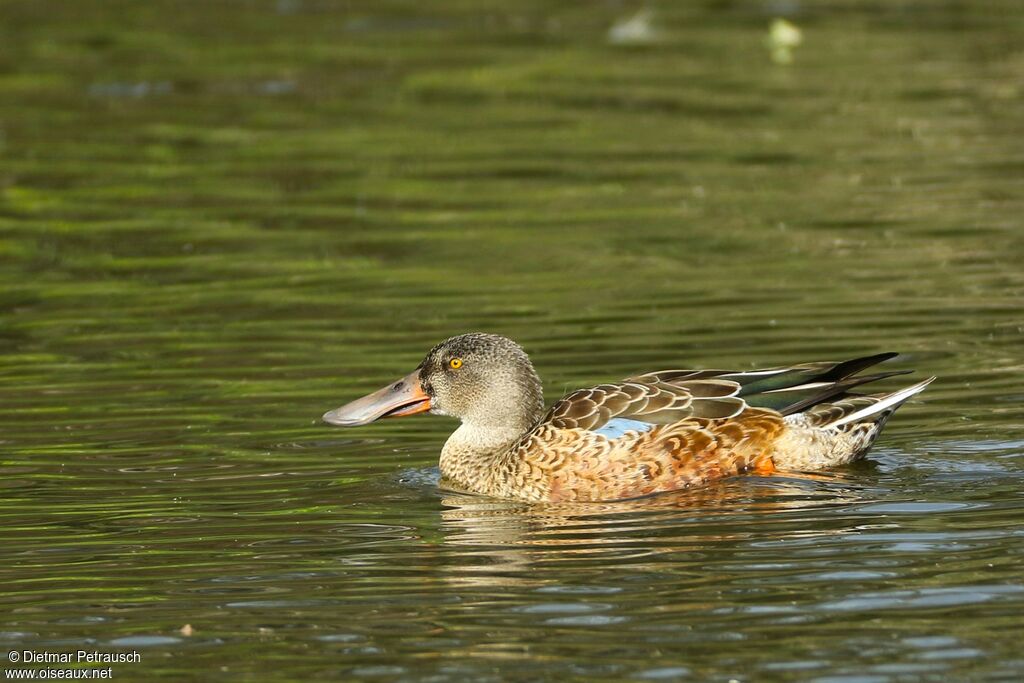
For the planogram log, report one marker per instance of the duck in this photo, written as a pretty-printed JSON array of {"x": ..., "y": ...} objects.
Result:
[{"x": 649, "y": 433}]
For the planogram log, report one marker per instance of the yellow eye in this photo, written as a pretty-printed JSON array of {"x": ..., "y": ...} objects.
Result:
[{"x": 455, "y": 363}]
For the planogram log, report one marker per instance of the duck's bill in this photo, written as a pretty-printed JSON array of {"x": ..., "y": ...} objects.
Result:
[{"x": 404, "y": 397}]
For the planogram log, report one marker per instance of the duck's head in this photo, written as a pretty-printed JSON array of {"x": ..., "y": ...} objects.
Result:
[{"x": 485, "y": 380}]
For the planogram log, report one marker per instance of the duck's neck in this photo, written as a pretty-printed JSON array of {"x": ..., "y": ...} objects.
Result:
[{"x": 477, "y": 452}]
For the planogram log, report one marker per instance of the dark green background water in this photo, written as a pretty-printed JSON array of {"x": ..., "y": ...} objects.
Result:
[{"x": 220, "y": 219}]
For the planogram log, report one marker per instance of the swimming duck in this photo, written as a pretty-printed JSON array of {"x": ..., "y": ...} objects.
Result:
[{"x": 654, "y": 432}]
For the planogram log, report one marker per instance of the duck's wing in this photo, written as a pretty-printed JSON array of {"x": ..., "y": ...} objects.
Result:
[
  {"x": 670, "y": 396},
  {"x": 640, "y": 405}
]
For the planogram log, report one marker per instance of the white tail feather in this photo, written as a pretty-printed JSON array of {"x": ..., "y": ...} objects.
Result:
[
  {"x": 889, "y": 401},
  {"x": 801, "y": 387}
]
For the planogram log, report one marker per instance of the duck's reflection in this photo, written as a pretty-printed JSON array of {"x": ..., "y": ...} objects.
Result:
[{"x": 514, "y": 539}]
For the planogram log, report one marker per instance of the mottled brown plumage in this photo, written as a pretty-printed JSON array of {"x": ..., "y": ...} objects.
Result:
[{"x": 659, "y": 431}]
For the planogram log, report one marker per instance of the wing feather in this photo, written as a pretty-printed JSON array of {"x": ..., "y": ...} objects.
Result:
[
  {"x": 654, "y": 403},
  {"x": 669, "y": 396}
]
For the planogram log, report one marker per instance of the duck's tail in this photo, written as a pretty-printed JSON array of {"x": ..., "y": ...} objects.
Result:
[{"x": 841, "y": 431}]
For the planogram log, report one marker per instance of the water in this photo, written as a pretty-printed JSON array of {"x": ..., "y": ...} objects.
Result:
[{"x": 216, "y": 224}]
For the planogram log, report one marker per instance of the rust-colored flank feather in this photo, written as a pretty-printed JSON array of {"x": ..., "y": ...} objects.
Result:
[{"x": 660, "y": 431}]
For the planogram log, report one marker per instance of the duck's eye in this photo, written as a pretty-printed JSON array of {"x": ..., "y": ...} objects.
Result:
[{"x": 455, "y": 363}]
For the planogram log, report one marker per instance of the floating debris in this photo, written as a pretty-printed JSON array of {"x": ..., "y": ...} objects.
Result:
[
  {"x": 125, "y": 89},
  {"x": 186, "y": 630},
  {"x": 276, "y": 87},
  {"x": 636, "y": 30},
  {"x": 783, "y": 37}
]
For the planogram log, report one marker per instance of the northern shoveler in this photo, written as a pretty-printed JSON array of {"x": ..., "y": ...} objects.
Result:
[{"x": 659, "y": 431}]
